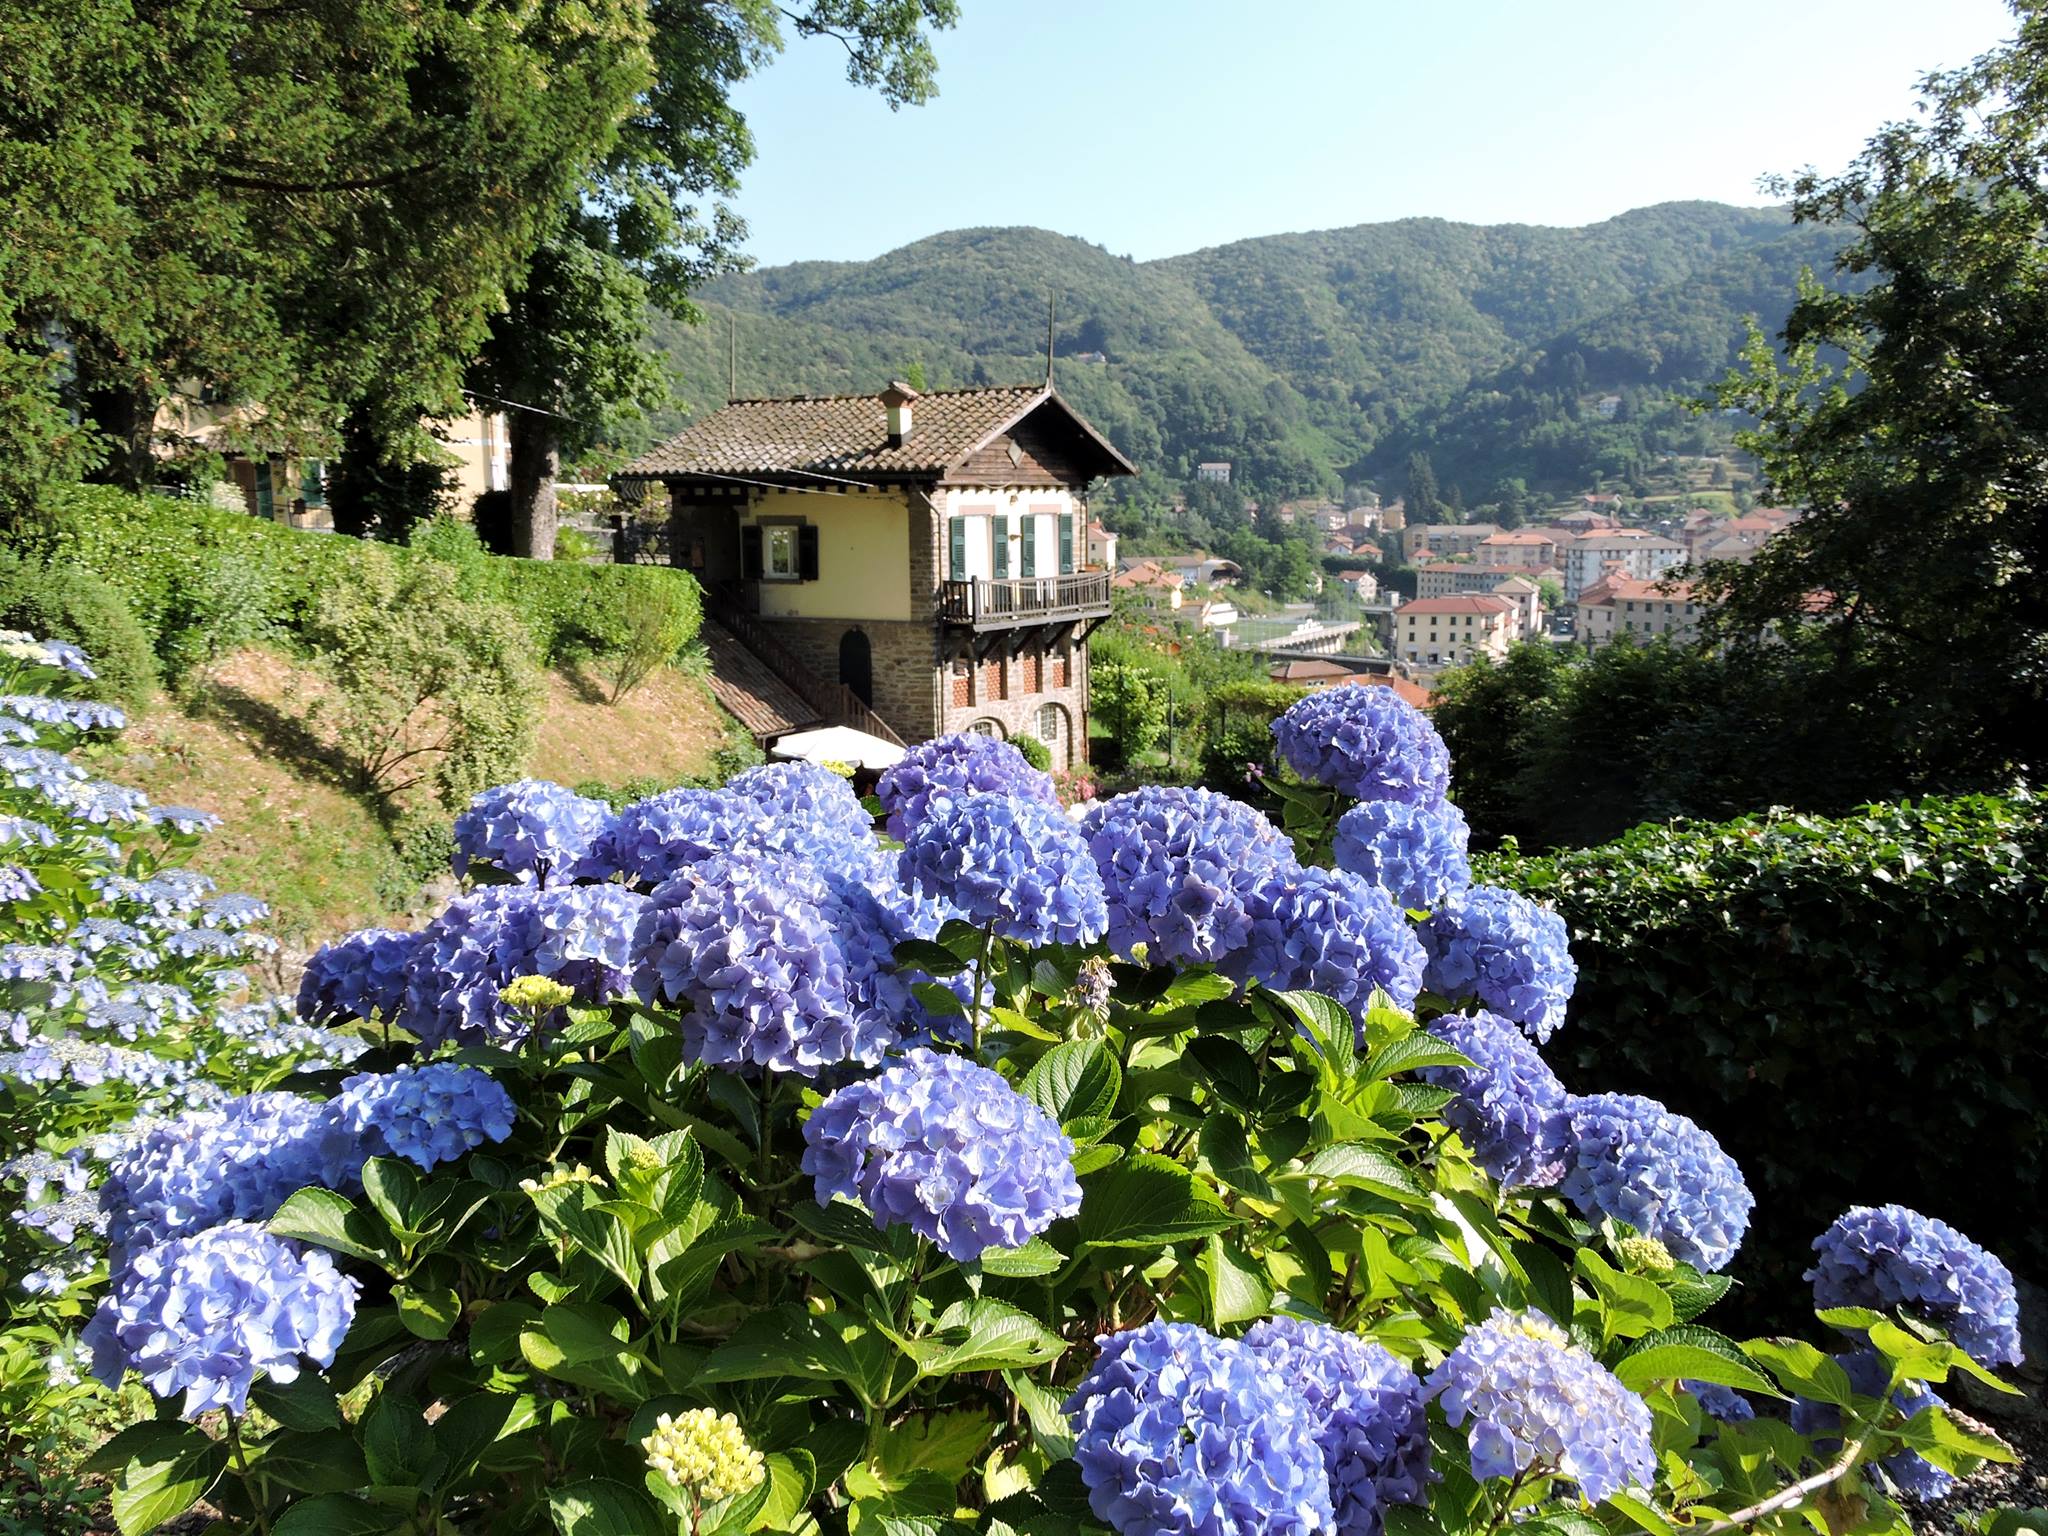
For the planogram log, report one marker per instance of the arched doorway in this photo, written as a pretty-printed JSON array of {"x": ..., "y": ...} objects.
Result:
[{"x": 857, "y": 665}]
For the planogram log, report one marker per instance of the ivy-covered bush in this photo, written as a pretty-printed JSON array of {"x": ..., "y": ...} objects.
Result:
[
  {"x": 164, "y": 557},
  {"x": 1802, "y": 982},
  {"x": 718, "y": 1164}
]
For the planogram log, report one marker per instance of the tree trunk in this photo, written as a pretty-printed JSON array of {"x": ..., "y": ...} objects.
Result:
[
  {"x": 535, "y": 445},
  {"x": 125, "y": 410}
]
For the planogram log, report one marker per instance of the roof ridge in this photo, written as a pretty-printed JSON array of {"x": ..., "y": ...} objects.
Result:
[{"x": 928, "y": 394}]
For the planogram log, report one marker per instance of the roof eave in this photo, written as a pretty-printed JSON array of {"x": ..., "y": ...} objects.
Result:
[{"x": 1048, "y": 393}]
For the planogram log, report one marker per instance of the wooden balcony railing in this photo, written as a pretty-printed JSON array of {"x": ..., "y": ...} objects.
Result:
[{"x": 984, "y": 604}]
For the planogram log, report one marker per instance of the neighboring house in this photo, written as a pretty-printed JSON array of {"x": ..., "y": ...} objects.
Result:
[
  {"x": 1446, "y": 578},
  {"x": 1363, "y": 584},
  {"x": 1216, "y": 472},
  {"x": 1607, "y": 406},
  {"x": 1441, "y": 539},
  {"x": 1711, "y": 537},
  {"x": 1619, "y": 604},
  {"x": 1449, "y": 631},
  {"x": 1217, "y": 613},
  {"x": 1204, "y": 570},
  {"x": 1518, "y": 547},
  {"x": 1642, "y": 554},
  {"x": 1339, "y": 544},
  {"x": 1575, "y": 523},
  {"x": 1315, "y": 672},
  {"x": 1526, "y": 599},
  {"x": 1101, "y": 548},
  {"x": 924, "y": 551},
  {"x": 1152, "y": 583}
]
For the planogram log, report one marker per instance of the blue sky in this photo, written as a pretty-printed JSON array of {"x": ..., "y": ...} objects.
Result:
[{"x": 1159, "y": 126}]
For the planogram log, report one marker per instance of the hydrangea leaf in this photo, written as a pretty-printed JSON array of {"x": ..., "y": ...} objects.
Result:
[
  {"x": 1692, "y": 1353},
  {"x": 983, "y": 1334},
  {"x": 1237, "y": 1291},
  {"x": 337, "y": 1514},
  {"x": 1148, "y": 1201},
  {"x": 601, "y": 1507},
  {"x": 1369, "y": 1169},
  {"x": 325, "y": 1461},
  {"x": 332, "y": 1221},
  {"x": 1076, "y": 1080},
  {"x": 1630, "y": 1306}
]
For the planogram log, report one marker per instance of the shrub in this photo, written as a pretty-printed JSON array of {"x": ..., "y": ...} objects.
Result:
[
  {"x": 427, "y": 687},
  {"x": 1797, "y": 981},
  {"x": 657, "y": 619},
  {"x": 66, "y": 603},
  {"x": 1035, "y": 752}
]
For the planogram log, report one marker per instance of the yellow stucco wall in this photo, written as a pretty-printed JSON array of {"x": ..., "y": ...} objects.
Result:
[{"x": 863, "y": 556}]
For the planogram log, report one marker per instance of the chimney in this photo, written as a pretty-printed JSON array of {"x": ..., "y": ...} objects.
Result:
[{"x": 896, "y": 400}]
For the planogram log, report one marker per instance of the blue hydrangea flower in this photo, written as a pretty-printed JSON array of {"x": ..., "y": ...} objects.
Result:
[
  {"x": 947, "y": 1148},
  {"x": 777, "y": 967},
  {"x": 1180, "y": 868},
  {"x": 1328, "y": 931},
  {"x": 99, "y": 803},
  {"x": 206, "y": 1315},
  {"x": 1908, "y": 1472},
  {"x": 1366, "y": 742},
  {"x": 166, "y": 896},
  {"x": 1369, "y": 1411},
  {"x": 68, "y": 714},
  {"x": 1177, "y": 1430},
  {"x": 361, "y": 976},
  {"x": 1510, "y": 1107},
  {"x": 64, "y": 654},
  {"x": 1503, "y": 949},
  {"x": 948, "y": 767},
  {"x": 187, "y": 819},
  {"x": 579, "y": 935},
  {"x": 1415, "y": 853},
  {"x": 1888, "y": 1257},
  {"x": 89, "y": 1064},
  {"x": 427, "y": 1115},
  {"x": 530, "y": 830},
  {"x": 18, "y": 732},
  {"x": 655, "y": 839},
  {"x": 1018, "y": 867},
  {"x": 1634, "y": 1160},
  {"x": 269, "y": 1031},
  {"x": 238, "y": 1162},
  {"x": 804, "y": 794},
  {"x": 29, "y": 833},
  {"x": 235, "y": 911},
  {"x": 1718, "y": 1402},
  {"x": 18, "y": 884},
  {"x": 1536, "y": 1401},
  {"x": 38, "y": 769}
]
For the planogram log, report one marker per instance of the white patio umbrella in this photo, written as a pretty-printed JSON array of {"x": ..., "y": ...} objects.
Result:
[{"x": 839, "y": 744}]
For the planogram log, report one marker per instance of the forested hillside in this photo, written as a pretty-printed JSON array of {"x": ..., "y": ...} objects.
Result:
[{"x": 1302, "y": 358}]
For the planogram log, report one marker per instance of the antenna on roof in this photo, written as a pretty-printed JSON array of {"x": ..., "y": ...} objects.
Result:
[
  {"x": 1051, "y": 305},
  {"x": 732, "y": 356}
]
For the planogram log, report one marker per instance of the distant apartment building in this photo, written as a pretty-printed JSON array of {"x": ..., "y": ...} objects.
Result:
[
  {"x": 1640, "y": 553},
  {"x": 1709, "y": 536},
  {"x": 1363, "y": 584},
  {"x": 1449, "y": 578},
  {"x": 1151, "y": 584},
  {"x": 1618, "y": 604},
  {"x": 1518, "y": 546},
  {"x": 1215, "y": 472},
  {"x": 1526, "y": 599},
  {"x": 1440, "y": 539},
  {"x": 1434, "y": 632}
]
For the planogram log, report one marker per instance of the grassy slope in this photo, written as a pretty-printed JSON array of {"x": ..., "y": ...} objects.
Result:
[{"x": 296, "y": 836}]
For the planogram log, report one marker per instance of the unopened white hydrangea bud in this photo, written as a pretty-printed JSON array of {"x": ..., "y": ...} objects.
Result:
[{"x": 705, "y": 1452}]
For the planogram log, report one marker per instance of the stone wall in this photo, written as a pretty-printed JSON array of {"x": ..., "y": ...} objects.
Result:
[
  {"x": 1015, "y": 707},
  {"x": 904, "y": 663}
]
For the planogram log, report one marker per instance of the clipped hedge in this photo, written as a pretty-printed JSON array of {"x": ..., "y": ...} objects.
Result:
[
  {"x": 1857, "y": 1005},
  {"x": 156, "y": 551}
]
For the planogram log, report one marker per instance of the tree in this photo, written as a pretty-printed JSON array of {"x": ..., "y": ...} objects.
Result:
[
  {"x": 1922, "y": 560},
  {"x": 650, "y": 222},
  {"x": 1424, "y": 503}
]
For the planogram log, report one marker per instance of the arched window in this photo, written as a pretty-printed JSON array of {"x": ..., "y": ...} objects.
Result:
[
  {"x": 987, "y": 727},
  {"x": 857, "y": 665}
]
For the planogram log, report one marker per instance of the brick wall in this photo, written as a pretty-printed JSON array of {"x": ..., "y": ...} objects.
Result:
[
  {"x": 1018, "y": 714},
  {"x": 904, "y": 661}
]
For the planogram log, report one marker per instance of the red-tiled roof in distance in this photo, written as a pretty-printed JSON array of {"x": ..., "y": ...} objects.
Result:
[
  {"x": 849, "y": 435},
  {"x": 1461, "y": 603}
]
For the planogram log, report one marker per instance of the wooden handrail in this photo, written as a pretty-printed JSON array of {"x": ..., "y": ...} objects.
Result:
[
  {"x": 1024, "y": 598},
  {"x": 834, "y": 700}
]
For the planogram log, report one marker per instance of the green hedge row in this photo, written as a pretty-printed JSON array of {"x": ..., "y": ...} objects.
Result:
[
  {"x": 165, "y": 558},
  {"x": 1856, "y": 1006}
]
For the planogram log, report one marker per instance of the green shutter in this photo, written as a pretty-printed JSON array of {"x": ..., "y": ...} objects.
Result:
[
  {"x": 999, "y": 538},
  {"x": 957, "y": 531},
  {"x": 266, "y": 496},
  {"x": 1029, "y": 565},
  {"x": 1066, "y": 543}
]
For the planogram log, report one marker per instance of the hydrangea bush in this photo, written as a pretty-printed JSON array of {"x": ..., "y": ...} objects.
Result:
[{"x": 991, "y": 1173}]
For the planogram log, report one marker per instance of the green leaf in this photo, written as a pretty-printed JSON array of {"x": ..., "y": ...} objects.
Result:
[
  {"x": 1328, "y": 1027},
  {"x": 792, "y": 1479},
  {"x": 1076, "y": 1080},
  {"x": 1227, "y": 1150},
  {"x": 159, "y": 1470},
  {"x": 1692, "y": 1353},
  {"x": 1027, "y": 1261},
  {"x": 429, "y": 1314},
  {"x": 1230, "y": 1070},
  {"x": 946, "y": 1443},
  {"x": 601, "y": 1507},
  {"x": 331, "y": 1221},
  {"x": 1238, "y": 1290},
  {"x": 323, "y": 1461},
  {"x": 1148, "y": 1201},
  {"x": 1411, "y": 1053},
  {"x": 1802, "y": 1369},
  {"x": 1367, "y": 1168},
  {"x": 1935, "y": 1431},
  {"x": 1640, "y": 1513},
  {"x": 337, "y": 1514},
  {"x": 983, "y": 1334},
  {"x": 307, "y": 1403},
  {"x": 396, "y": 1442},
  {"x": 935, "y": 959},
  {"x": 392, "y": 1187},
  {"x": 1630, "y": 1306}
]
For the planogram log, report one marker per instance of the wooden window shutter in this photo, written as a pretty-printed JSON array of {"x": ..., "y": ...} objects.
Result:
[
  {"x": 750, "y": 554},
  {"x": 807, "y": 553},
  {"x": 957, "y": 558},
  {"x": 999, "y": 539},
  {"x": 1066, "y": 543},
  {"x": 1028, "y": 565}
]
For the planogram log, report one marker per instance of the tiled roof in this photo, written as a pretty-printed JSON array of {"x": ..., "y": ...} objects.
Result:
[
  {"x": 847, "y": 434},
  {"x": 740, "y": 680},
  {"x": 1464, "y": 602}
]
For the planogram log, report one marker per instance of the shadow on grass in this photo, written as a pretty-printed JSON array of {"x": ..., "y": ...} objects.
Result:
[{"x": 285, "y": 737}]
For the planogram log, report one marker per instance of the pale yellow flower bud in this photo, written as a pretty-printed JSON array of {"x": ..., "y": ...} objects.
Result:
[
  {"x": 705, "y": 1452},
  {"x": 1646, "y": 1256},
  {"x": 534, "y": 994}
]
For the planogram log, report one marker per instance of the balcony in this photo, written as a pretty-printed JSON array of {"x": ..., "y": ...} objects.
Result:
[{"x": 1013, "y": 604}]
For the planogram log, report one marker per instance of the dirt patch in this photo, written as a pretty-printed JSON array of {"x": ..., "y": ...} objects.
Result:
[{"x": 665, "y": 729}]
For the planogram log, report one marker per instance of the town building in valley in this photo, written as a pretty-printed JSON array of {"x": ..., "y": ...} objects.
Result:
[
  {"x": 927, "y": 553},
  {"x": 1435, "y": 632},
  {"x": 1618, "y": 604}
]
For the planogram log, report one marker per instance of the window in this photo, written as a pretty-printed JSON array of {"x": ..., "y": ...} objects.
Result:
[
  {"x": 1049, "y": 724},
  {"x": 778, "y": 552},
  {"x": 957, "y": 554},
  {"x": 266, "y": 497},
  {"x": 986, "y": 727}
]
